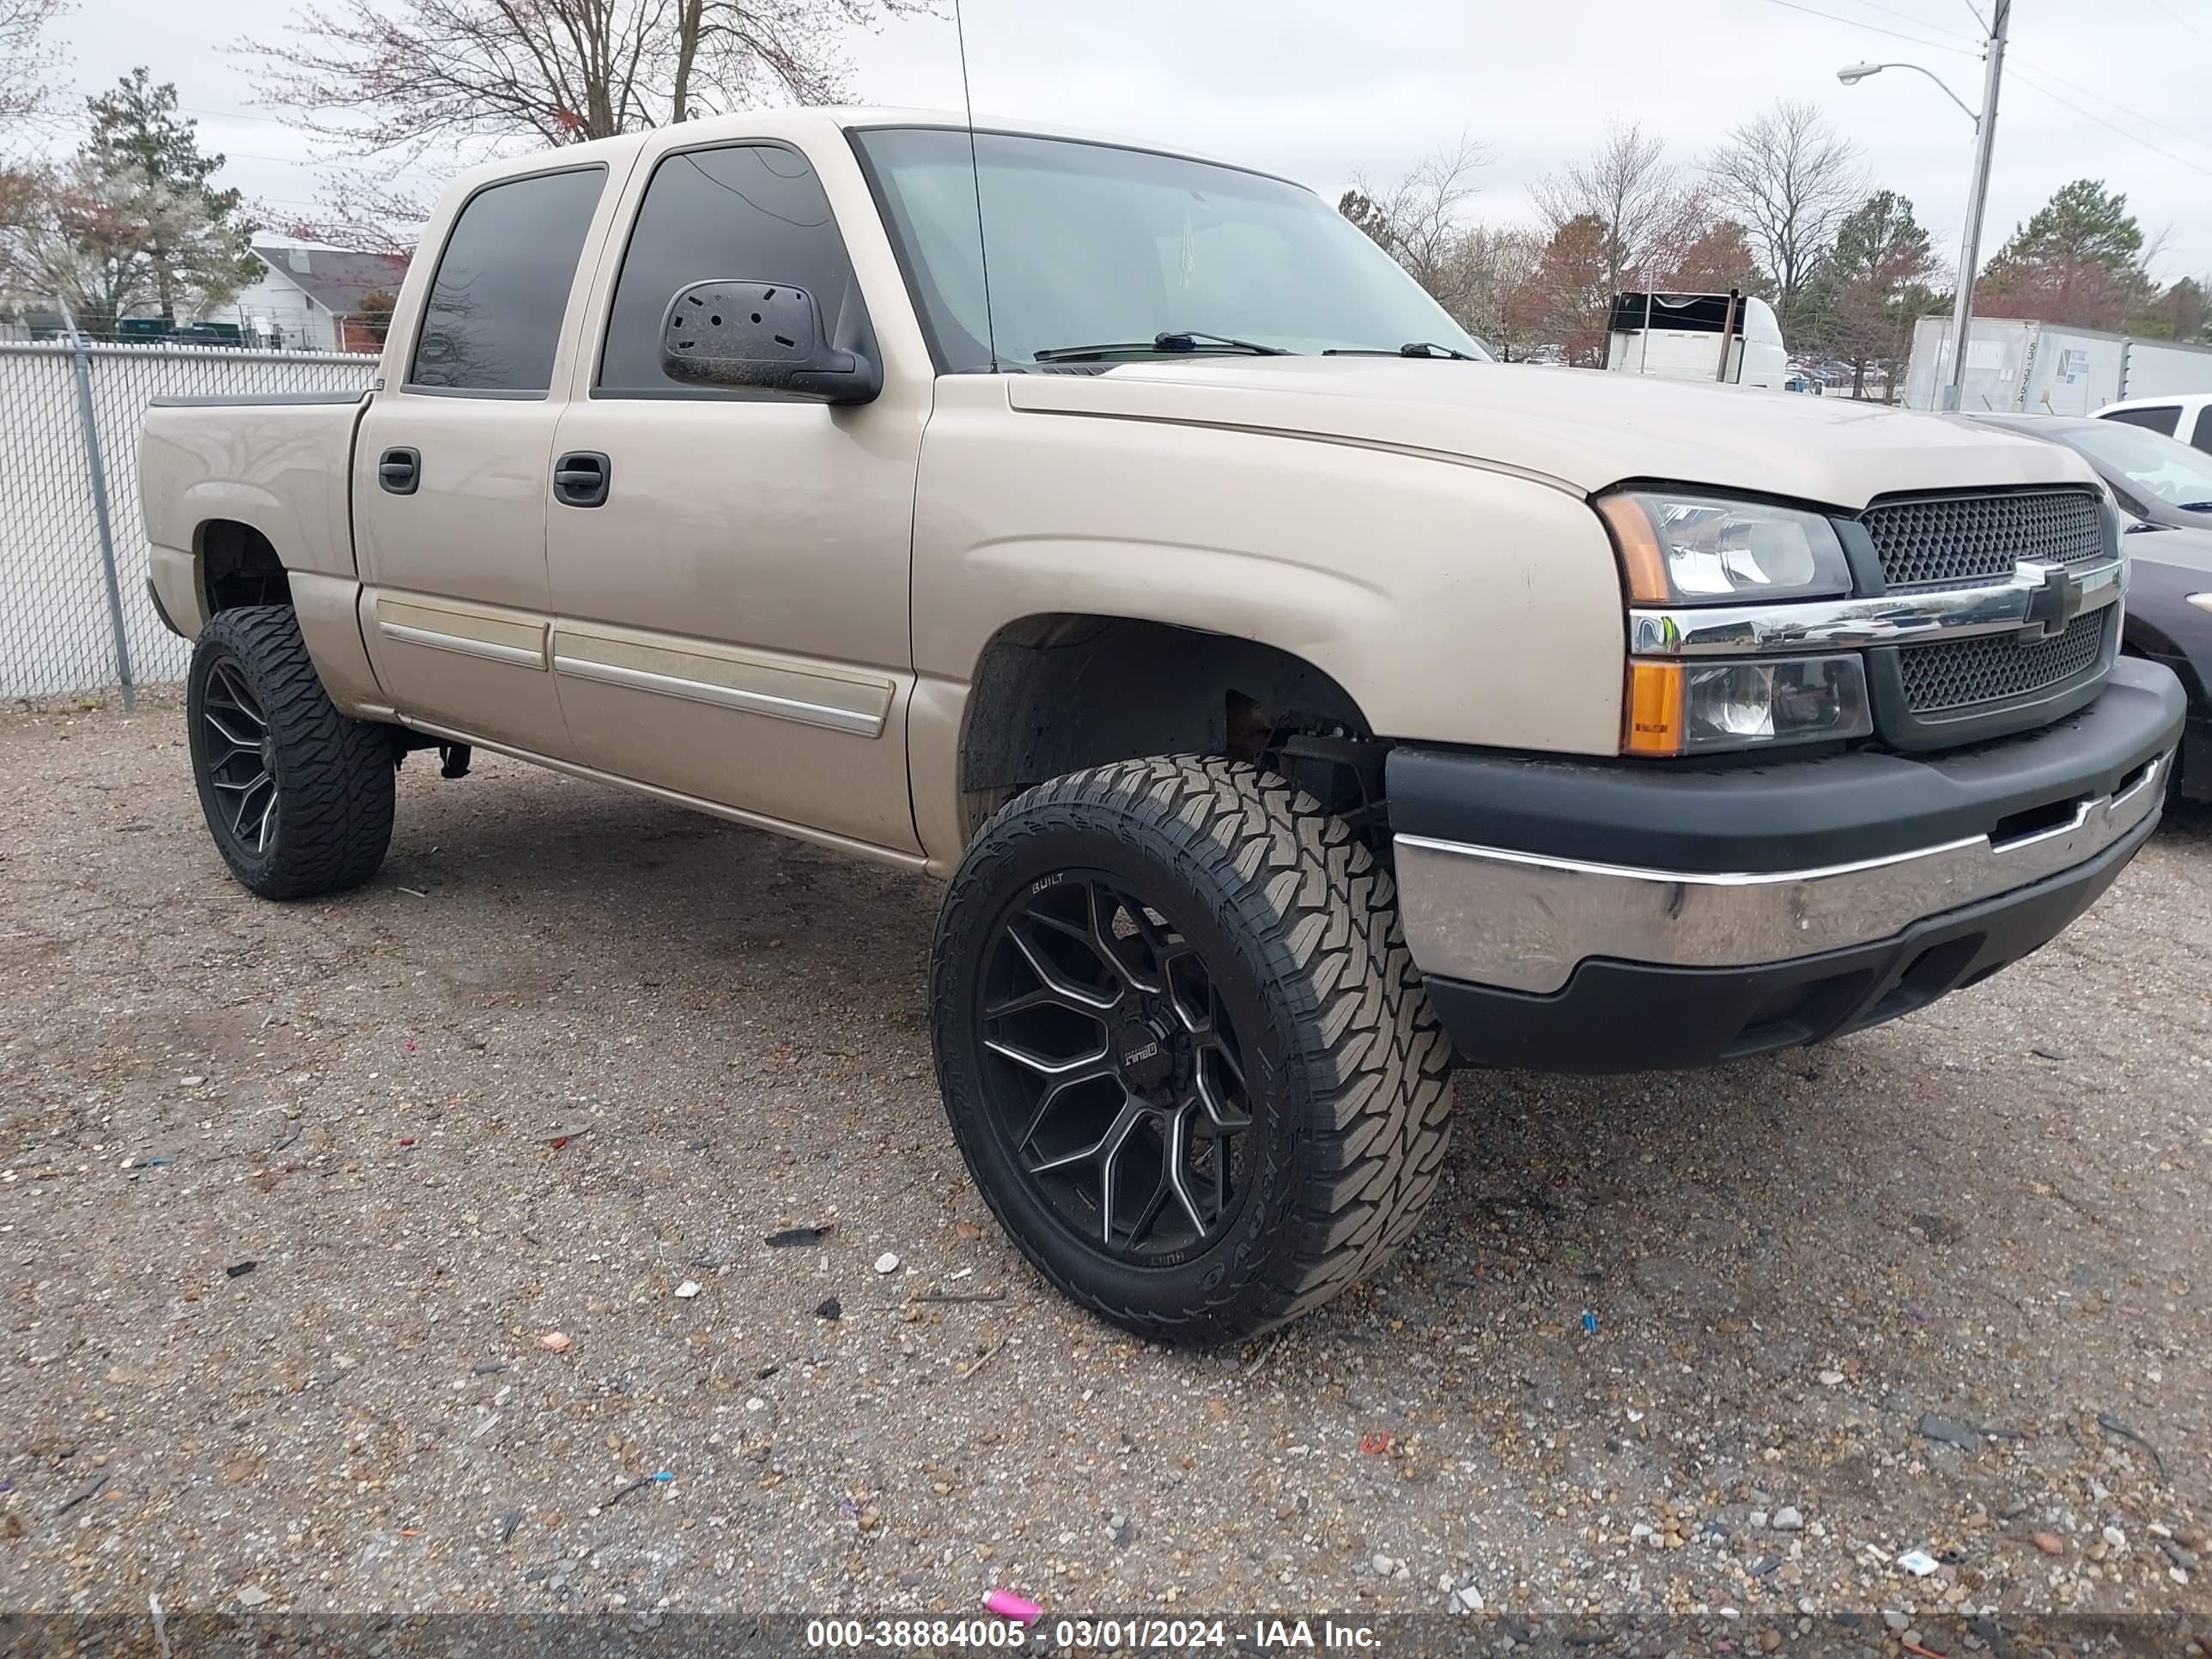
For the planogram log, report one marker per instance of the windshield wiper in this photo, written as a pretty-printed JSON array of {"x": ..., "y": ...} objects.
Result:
[
  {"x": 1411, "y": 349},
  {"x": 1174, "y": 339},
  {"x": 2196, "y": 507}
]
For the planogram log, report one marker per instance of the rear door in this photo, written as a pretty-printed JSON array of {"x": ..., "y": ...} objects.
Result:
[
  {"x": 452, "y": 467},
  {"x": 730, "y": 617}
]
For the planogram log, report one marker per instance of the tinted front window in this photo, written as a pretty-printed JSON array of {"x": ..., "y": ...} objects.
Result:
[
  {"x": 1091, "y": 245},
  {"x": 2160, "y": 419},
  {"x": 492, "y": 318},
  {"x": 755, "y": 212},
  {"x": 2203, "y": 438}
]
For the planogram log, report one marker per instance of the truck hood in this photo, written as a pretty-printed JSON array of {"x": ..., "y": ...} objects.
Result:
[{"x": 1580, "y": 429}]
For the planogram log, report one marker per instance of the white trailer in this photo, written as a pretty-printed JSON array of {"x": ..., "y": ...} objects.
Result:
[
  {"x": 2017, "y": 366},
  {"x": 1730, "y": 337}
]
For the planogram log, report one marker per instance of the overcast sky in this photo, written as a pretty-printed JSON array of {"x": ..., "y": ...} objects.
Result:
[{"x": 1318, "y": 90}]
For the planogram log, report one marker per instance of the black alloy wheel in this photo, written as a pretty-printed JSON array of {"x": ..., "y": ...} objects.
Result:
[
  {"x": 239, "y": 761},
  {"x": 1115, "y": 1072},
  {"x": 1188, "y": 1059}
]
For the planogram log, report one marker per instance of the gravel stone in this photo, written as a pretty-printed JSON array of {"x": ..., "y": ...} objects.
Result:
[
  {"x": 741, "y": 1022},
  {"x": 1948, "y": 1433}
]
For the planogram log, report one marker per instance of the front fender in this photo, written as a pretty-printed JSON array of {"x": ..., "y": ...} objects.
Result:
[{"x": 1455, "y": 603}]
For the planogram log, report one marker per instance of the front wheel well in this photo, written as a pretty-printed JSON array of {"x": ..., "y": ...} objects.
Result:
[
  {"x": 1058, "y": 693},
  {"x": 238, "y": 565}
]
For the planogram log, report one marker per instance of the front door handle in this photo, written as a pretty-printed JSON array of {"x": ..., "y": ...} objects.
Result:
[
  {"x": 580, "y": 478},
  {"x": 399, "y": 470}
]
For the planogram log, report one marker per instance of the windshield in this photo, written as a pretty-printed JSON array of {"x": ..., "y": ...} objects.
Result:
[
  {"x": 2157, "y": 466},
  {"x": 1091, "y": 245}
]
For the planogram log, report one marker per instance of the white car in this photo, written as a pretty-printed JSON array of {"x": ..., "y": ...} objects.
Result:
[{"x": 2188, "y": 416}]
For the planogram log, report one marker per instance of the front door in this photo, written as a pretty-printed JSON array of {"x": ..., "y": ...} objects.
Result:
[
  {"x": 451, "y": 479},
  {"x": 730, "y": 609}
]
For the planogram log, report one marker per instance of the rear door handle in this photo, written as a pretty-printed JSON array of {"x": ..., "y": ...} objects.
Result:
[
  {"x": 399, "y": 470},
  {"x": 581, "y": 478}
]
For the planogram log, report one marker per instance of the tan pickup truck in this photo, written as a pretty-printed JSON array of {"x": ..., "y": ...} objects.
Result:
[{"x": 1288, "y": 694}]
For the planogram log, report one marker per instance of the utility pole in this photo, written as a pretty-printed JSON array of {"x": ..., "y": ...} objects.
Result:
[{"x": 1969, "y": 246}]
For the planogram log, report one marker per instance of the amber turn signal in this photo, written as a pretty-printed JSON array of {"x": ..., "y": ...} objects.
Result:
[
  {"x": 1642, "y": 563},
  {"x": 1653, "y": 722}
]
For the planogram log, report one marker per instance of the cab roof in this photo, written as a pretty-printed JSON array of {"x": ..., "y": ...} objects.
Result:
[{"x": 799, "y": 125}]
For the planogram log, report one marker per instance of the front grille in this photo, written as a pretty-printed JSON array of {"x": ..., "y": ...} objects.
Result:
[
  {"x": 1999, "y": 667},
  {"x": 1967, "y": 539}
]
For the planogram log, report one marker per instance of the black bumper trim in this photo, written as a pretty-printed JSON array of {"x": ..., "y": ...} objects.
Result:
[
  {"x": 1783, "y": 814},
  {"x": 1614, "y": 1016}
]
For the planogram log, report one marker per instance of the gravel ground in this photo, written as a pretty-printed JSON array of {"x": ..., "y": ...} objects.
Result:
[{"x": 294, "y": 1198}]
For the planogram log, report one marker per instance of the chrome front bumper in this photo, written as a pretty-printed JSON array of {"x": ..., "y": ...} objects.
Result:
[{"x": 1521, "y": 921}]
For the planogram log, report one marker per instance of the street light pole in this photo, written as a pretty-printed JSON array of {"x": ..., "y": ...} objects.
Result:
[{"x": 1985, "y": 133}]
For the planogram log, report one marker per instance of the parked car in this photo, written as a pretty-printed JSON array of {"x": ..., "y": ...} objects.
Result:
[
  {"x": 2169, "y": 602},
  {"x": 2188, "y": 417},
  {"x": 2169, "y": 621},
  {"x": 1286, "y": 692},
  {"x": 2153, "y": 478}
]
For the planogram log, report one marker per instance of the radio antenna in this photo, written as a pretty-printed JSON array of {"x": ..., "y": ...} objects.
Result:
[{"x": 976, "y": 178}]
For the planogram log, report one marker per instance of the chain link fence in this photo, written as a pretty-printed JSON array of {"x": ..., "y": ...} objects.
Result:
[{"x": 74, "y": 613}]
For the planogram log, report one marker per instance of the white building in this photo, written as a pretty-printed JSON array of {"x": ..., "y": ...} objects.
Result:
[{"x": 310, "y": 299}]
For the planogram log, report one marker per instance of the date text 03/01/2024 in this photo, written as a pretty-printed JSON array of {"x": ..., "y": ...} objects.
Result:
[{"x": 1079, "y": 1634}]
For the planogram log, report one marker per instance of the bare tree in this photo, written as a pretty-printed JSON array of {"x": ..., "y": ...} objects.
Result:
[
  {"x": 1646, "y": 213},
  {"x": 27, "y": 60},
  {"x": 1495, "y": 263},
  {"x": 1420, "y": 219},
  {"x": 1472, "y": 270},
  {"x": 360, "y": 213},
  {"x": 409, "y": 83},
  {"x": 1789, "y": 179}
]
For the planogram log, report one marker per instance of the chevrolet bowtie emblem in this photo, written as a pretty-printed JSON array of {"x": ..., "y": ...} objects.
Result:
[{"x": 2053, "y": 604}]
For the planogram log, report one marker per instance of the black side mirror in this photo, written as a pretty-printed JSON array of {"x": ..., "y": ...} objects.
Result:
[{"x": 766, "y": 337}]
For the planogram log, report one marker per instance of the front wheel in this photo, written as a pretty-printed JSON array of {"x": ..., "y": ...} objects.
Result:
[
  {"x": 1187, "y": 1058},
  {"x": 298, "y": 796}
]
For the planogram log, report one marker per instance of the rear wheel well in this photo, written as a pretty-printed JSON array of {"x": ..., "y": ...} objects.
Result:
[
  {"x": 1056, "y": 694},
  {"x": 238, "y": 566}
]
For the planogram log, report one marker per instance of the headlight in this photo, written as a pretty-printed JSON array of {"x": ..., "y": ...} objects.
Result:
[
  {"x": 1706, "y": 550},
  {"x": 2202, "y": 601},
  {"x": 1688, "y": 708}
]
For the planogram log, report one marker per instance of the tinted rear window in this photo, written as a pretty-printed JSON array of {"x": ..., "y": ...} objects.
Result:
[
  {"x": 493, "y": 319},
  {"x": 2160, "y": 419}
]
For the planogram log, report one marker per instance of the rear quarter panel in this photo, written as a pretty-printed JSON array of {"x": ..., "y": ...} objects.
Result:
[{"x": 283, "y": 469}]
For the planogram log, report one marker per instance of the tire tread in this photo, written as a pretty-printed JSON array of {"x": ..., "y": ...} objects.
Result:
[
  {"x": 1322, "y": 916},
  {"x": 336, "y": 809}
]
